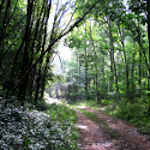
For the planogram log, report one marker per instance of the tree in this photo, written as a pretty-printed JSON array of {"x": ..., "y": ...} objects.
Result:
[
  {"x": 117, "y": 45},
  {"x": 33, "y": 45}
]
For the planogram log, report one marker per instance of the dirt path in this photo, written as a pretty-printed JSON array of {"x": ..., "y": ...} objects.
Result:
[{"x": 95, "y": 137}]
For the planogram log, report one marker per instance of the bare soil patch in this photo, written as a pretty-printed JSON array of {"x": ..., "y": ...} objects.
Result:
[{"x": 95, "y": 137}]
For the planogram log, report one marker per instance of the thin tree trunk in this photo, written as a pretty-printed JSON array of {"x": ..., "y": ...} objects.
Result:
[
  {"x": 86, "y": 70},
  {"x": 5, "y": 20},
  {"x": 140, "y": 60},
  {"x": 86, "y": 67},
  {"x": 38, "y": 85},
  {"x": 132, "y": 75},
  {"x": 103, "y": 74},
  {"x": 126, "y": 64},
  {"x": 95, "y": 63},
  {"x": 23, "y": 86},
  {"x": 44, "y": 77},
  {"x": 112, "y": 57},
  {"x": 148, "y": 18}
]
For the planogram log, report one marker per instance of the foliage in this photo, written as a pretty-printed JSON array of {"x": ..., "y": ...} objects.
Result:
[
  {"x": 110, "y": 56},
  {"x": 33, "y": 129},
  {"x": 110, "y": 64},
  {"x": 129, "y": 111},
  {"x": 133, "y": 113},
  {"x": 29, "y": 35}
]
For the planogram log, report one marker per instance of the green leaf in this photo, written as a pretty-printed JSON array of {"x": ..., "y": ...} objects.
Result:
[{"x": 27, "y": 141}]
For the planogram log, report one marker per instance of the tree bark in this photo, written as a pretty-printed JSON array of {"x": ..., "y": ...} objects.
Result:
[
  {"x": 148, "y": 29},
  {"x": 95, "y": 63},
  {"x": 113, "y": 58},
  {"x": 122, "y": 39}
]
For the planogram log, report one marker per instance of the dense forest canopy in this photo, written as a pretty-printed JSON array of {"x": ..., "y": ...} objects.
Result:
[
  {"x": 29, "y": 34},
  {"x": 110, "y": 55},
  {"x": 109, "y": 42}
]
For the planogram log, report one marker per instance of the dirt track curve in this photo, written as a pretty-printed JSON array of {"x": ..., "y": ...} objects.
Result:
[{"x": 95, "y": 137}]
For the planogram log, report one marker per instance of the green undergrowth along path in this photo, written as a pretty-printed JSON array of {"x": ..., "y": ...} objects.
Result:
[
  {"x": 41, "y": 126},
  {"x": 100, "y": 122},
  {"x": 133, "y": 113}
]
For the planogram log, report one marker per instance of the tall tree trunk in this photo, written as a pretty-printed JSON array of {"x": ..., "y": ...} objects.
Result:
[
  {"x": 148, "y": 22},
  {"x": 5, "y": 21},
  {"x": 86, "y": 80},
  {"x": 25, "y": 64},
  {"x": 112, "y": 71},
  {"x": 140, "y": 60},
  {"x": 103, "y": 73},
  {"x": 44, "y": 77},
  {"x": 38, "y": 84},
  {"x": 140, "y": 72},
  {"x": 122, "y": 39},
  {"x": 112, "y": 57},
  {"x": 95, "y": 64},
  {"x": 78, "y": 55},
  {"x": 86, "y": 66},
  {"x": 132, "y": 76}
]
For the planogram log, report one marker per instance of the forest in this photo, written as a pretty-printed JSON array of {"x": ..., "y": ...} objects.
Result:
[{"x": 109, "y": 66}]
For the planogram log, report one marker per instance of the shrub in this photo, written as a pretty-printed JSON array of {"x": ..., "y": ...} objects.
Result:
[
  {"x": 21, "y": 129},
  {"x": 129, "y": 111}
]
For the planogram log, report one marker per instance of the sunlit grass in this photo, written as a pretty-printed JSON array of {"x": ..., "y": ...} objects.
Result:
[{"x": 85, "y": 103}]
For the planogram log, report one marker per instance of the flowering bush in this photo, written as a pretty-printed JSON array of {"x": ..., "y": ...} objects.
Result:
[{"x": 35, "y": 130}]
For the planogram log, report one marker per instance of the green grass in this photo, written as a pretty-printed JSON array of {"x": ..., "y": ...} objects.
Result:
[
  {"x": 94, "y": 118},
  {"x": 67, "y": 118},
  {"x": 89, "y": 103}
]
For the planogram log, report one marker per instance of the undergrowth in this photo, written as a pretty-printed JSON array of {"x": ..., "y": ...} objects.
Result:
[
  {"x": 36, "y": 127},
  {"x": 133, "y": 113}
]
